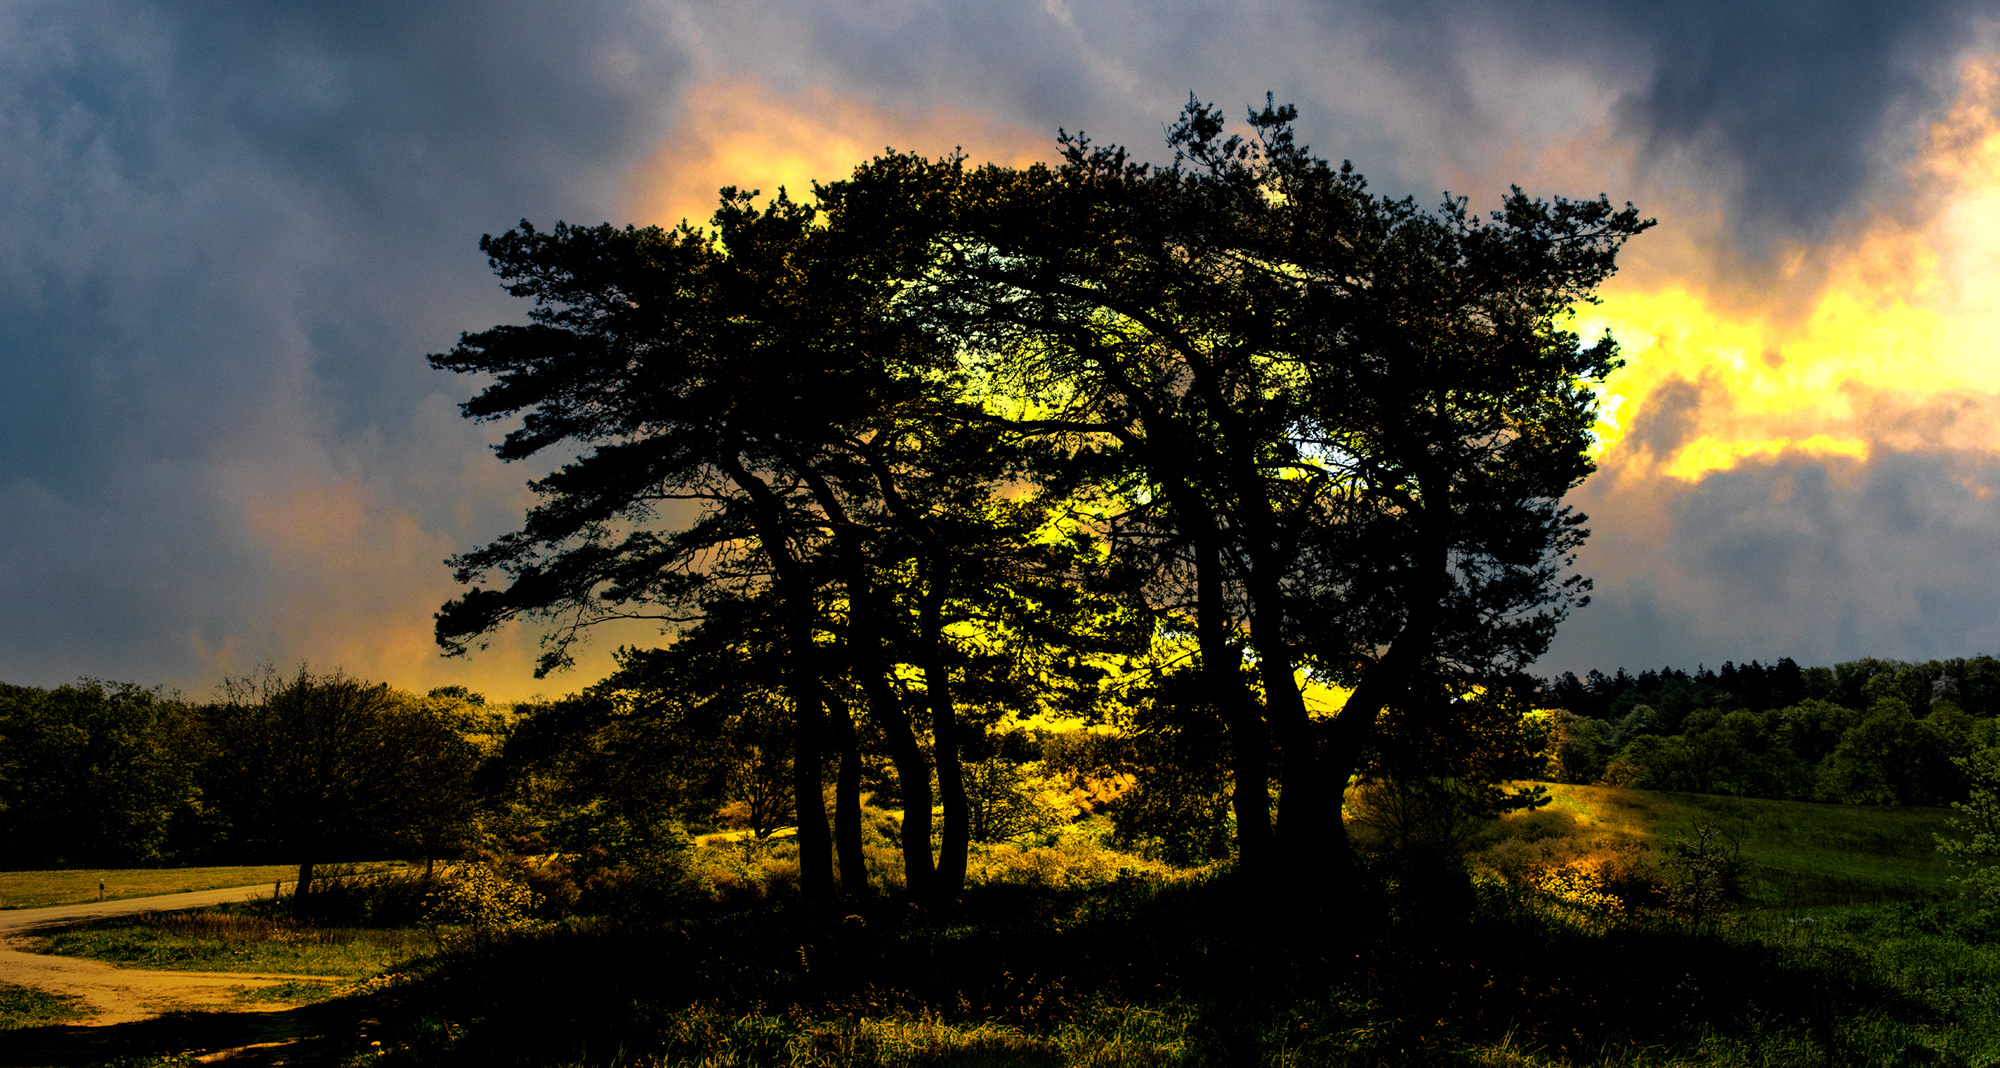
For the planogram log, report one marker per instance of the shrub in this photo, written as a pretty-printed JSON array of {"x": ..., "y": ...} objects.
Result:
[
  {"x": 1422, "y": 814},
  {"x": 1704, "y": 873},
  {"x": 476, "y": 904},
  {"x": 746, "y": 870},
  {"x": 1077, "y": 856},
  {"x": 1977, "y": 854}
]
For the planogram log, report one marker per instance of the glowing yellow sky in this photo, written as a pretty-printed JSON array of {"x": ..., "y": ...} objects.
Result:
[
  {"x": 1877, "y": 337},
  {"x": 735, "y": 130},
  {"x": 1881, "y": 337}
]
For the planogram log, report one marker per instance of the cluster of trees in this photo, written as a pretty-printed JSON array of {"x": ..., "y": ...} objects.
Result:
[
  {"x": 1863, "y": 732},
  {"x": 289, "y": 769},
  {"x": 955, "y": 442}
]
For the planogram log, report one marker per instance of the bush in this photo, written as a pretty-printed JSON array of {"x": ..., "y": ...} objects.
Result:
[
  {"x": 1977, "y": 853},
  {"x": 343, "y": 895},
  {"x": 1078, "y": 856},
  {"x": 744, "y": 871},
  {"x": 478, "y": 903},
  {"x": 1419, "y": 814},
  {"x": 1599, "y": 873}
]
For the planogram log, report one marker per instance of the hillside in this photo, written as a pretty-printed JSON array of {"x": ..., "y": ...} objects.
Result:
[{"x": 1799, "y": 854}]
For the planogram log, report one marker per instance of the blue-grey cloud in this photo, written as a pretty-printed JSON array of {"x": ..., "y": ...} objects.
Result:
[
  {"x": 232, "y": 231},
  {"x": 1800, "y": 110},
  {"x": 1820, "y": 560}
]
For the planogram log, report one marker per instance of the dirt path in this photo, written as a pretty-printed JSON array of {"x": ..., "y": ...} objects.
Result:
[{"x": 123, "y": 995}]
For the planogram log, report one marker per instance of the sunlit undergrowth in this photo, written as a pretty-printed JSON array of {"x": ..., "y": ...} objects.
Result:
[{"x": 1798, "y": 853}]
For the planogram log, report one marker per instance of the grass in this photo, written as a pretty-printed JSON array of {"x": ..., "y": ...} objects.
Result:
[
  {"x": 1139, "y": 973},
  {"x": 235, "y": 939},
  {"x": 37, "y": 889},
  {"x": 1847, "y": 954},
  {"x": 22, "y": 1006},
  {"x": 1800, "y": 854},
  {"x": 291, "y": 992}
]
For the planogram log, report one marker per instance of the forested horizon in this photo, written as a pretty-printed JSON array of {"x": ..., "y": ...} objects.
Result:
[{"x": 100, "y": 773}]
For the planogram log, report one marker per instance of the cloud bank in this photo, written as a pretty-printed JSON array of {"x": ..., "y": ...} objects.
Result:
[{"x": 233, "y": 230}]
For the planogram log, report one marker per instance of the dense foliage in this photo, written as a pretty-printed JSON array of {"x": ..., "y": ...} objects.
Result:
[
  {"x": 1870, "y": 731},
  {"x": 957, "y": 441},
  {"x": 301, "y": 769}
]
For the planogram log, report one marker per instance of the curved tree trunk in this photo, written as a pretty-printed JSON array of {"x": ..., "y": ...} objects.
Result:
[
  {"x": 1249, "y": 739},
  {"x": 913, "y": 770},
  {"x": 795, "y": 590}
]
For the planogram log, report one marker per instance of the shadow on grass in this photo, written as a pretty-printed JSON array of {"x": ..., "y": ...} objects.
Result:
[
  {"x": 1133, "y": 972},
  {"x": 1039, "y": 968},
  {"x": 312, "y": 1034}
]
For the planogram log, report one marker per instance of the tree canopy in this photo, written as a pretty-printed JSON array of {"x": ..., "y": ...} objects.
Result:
[{"x": 1237, "y": 406}]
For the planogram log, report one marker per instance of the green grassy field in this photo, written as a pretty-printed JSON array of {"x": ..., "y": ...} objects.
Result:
[
  {"x": 36, "y": 889},
  {"x": 1800, "y": 854}
]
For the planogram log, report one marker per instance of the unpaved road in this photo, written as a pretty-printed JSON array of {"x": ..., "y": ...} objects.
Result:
[{"x": 123, "y": 995}]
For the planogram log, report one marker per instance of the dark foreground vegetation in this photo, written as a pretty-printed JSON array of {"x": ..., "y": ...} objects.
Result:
[{"x": 1601, "y": 929}]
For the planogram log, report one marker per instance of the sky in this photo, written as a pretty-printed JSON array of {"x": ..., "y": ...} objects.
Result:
[{"x": 231, "y": 231}]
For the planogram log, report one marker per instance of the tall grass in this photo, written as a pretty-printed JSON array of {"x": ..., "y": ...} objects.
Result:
[
  {"x": 1800, "y": 854},
  {"x": 231, "y": 939}
]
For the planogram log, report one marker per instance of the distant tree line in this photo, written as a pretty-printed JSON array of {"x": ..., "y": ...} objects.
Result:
[
  {"x": 1869, "y": 731},
  {"x": 313, "y": 768},
  {"x": 309, "y": 768},
  {"x": 298, "y": 769}
]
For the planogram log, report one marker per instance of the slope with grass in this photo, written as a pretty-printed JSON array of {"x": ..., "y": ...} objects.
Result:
[{"x": 1798, "y": 854}]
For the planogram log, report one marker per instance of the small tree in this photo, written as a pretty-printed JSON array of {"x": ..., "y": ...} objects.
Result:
[
  {"x": 1423, "y": 814},
  {"x": 1705, "y": 871},
  {"x": 318, "y": 763},
  {"x": 1978, "y": 820}
]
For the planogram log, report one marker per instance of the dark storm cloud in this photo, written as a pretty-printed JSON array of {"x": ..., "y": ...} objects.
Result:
[
  {"x": 1813, "y": 559},
  {"x": 231, "y": 232},
  {"x": 1802, "y": 106}
]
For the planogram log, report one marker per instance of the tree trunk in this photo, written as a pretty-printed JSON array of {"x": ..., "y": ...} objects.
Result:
[
  {"x": 847, "y": 800},
  {"x": 1249, "y": 739},
  {"x": 913, "y": 771},
  {"x": 302, "y": 887},
  {"x": 809, "y": 789},
  {"x": 795, "y": 591},
  {"x": 1222, "y": 680},
  {"x": 952, "y": 849}
]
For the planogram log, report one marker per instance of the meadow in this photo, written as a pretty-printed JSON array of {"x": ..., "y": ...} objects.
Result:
[
  {"x": 1845, "y": 947},
  {"x": 39, "y": 889},
  {"x": 1797, "y": 853}
]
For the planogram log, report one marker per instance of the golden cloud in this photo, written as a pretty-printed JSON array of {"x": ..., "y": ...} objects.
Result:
[
  {"x": 735, "y": 131},
  {"x": 1880, "y": 337}
]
